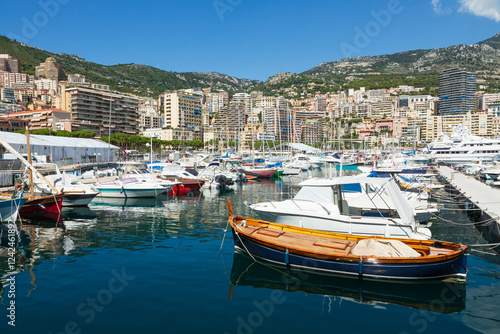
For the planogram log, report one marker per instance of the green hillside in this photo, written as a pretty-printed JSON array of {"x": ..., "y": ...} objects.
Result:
[{"x": 131, "y": 78}]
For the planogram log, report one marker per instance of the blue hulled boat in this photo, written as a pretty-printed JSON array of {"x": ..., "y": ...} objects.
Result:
[
  {"x": 363, "y": 256},
  {"x": 9, "y": 207}
]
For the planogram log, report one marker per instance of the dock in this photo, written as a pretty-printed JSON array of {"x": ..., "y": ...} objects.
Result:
[{"x": 482, "y": 201}]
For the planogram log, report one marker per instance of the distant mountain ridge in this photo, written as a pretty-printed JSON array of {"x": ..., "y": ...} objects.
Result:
[
  {"x": 133, "y": 78},
  {"x": 416, "y": 67}
]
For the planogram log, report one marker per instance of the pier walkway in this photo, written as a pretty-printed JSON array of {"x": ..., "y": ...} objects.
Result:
[{"x": 482, "y": 196}]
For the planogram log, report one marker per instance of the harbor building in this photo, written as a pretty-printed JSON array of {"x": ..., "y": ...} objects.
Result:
[
  {"x": 112, "y": 112},
  {"x": 182, "y": 115},
  {"x": 63, "y": 151},
  {"x": 457, "y": 89}
]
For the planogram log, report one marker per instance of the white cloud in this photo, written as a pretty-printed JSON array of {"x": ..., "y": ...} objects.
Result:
[
  {"x": 437, "y": 7},
  {"x": 486, "y": 8}
]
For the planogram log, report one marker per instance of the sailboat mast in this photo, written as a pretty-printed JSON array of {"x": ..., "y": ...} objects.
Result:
[
  {"x": 253, "y": 120},
  {"x": 29, "y": 161}
]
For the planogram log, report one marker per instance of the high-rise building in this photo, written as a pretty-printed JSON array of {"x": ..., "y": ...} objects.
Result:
[
  {"x": 456, "y": 91},
  {"x": 245, "y": 99},
  {"x": 182, "y": 111}
]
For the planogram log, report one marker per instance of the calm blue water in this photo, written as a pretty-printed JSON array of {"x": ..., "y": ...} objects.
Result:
[{"x": 154, "y": 266}]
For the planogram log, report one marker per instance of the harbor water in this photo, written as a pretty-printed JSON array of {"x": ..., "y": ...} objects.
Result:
[{"x": 164, "y": 266}]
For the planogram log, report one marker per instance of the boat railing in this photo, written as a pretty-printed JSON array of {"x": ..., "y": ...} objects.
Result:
[{"x": 306, "y": 200}]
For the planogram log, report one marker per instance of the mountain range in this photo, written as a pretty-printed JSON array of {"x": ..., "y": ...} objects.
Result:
[{"x": 417, "y": 67}]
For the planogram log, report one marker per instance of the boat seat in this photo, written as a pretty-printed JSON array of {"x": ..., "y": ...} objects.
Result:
[
  {"x": 270, "y": 233},
  {"x": 333, "y": 244}
]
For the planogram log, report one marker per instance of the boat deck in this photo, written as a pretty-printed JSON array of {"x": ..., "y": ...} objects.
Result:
[
  {"x": 302, "y": 241},
  {"x": 326, "y": 246}
]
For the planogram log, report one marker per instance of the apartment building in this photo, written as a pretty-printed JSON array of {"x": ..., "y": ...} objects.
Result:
[
  {"x": 9, "y": 64},
  {"x": 113, "y": 112},
  {"x": 182, "y": 111},
  {"x": 245, "y": 99},
  {"x": 383, "y": 109},
  {"x": 41, "y": 119},
  {"x": 311, "y": 131},
  {"x": 12, "y": 124},
  {"x": 7, "y": 94},
  {"x": 232, "y": 118},
  {"x": 479, "y": 123}
]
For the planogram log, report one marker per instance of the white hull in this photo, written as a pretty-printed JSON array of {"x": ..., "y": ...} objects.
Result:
[
  {"x": 77, "y": 199},
  {"x": 129, "y": 193},
  {"x": 361, "y": 226}
]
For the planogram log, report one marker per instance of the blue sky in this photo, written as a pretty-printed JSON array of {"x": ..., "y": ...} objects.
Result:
[{"x": 243, "y": 38}]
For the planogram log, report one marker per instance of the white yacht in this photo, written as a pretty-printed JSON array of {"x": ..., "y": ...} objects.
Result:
[
  {"x": 351, "y": 205},
  {"x": 463, "y": 147}
]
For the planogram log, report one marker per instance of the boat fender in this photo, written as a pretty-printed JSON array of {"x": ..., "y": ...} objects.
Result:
[{"x": 360, "y": 271}]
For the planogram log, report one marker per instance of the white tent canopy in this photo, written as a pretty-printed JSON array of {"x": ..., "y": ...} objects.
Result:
[
  {"x": 298, "y": 147},
  {"x": 66, "y": 150}
]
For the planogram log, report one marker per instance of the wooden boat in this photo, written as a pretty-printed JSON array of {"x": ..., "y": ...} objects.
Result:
[
  {"x": 362, "y": 256},
  {"x": 42, "y": 204}
]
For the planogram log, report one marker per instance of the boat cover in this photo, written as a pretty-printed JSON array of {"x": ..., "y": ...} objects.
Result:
[{"x": 383, "y": 248}]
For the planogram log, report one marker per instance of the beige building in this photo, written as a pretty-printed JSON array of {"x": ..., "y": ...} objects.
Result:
[
  {"x": 43, "y": 119},
  {"x": 383, "y": 109},
  {"x": 113, "y": 112},
  {"x": 479, "y": 123},
  {"x": 50, "y": 69},
  {"x": 182, "y": 111},
  {"x": 312, "y": 131},
  {"x": 9, "y": 64}
]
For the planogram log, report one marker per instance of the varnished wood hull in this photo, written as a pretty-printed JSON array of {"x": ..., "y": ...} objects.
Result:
[{"x": 262, "y": 240}]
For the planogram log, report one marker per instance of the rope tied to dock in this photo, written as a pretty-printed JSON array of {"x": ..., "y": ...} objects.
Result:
[{"x": 479, "y": 223}]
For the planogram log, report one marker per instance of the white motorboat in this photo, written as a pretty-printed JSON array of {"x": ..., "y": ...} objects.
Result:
[
  {"x": 493, "y": 172},
  {"x": 352, "y": 205},
  {"x": 300, "y": 161},
  {"x": 130, "y": 188},
  {"x": 76, "y": 193}
]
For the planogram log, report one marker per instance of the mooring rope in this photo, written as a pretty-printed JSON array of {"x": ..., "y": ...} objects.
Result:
[{"x": 479, "y": 223}]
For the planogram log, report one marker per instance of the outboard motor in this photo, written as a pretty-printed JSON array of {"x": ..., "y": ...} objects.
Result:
[{"x": 223, "y": 182}]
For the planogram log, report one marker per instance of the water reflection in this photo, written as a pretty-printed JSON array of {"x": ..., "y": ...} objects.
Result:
[
  {"x": 130, "y": 202},
  {"x": 436, "y": 296}
]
